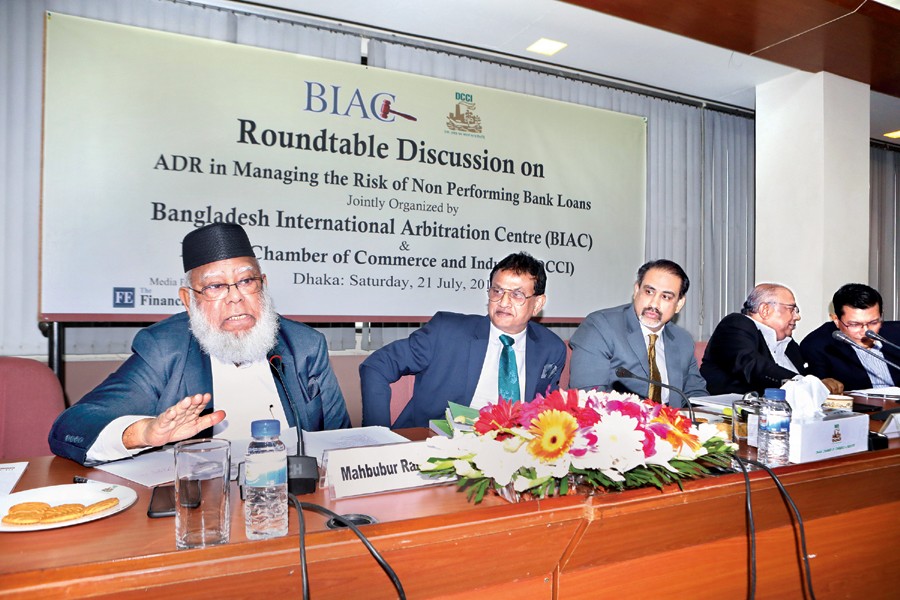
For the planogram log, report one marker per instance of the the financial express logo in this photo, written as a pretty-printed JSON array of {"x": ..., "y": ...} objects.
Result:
[{"x": 129, "y": 297}]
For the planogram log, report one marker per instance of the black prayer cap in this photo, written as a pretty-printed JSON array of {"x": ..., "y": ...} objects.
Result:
[{"x": 210, "y": 243}]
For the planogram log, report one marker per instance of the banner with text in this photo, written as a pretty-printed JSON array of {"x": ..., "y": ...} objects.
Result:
[{"x": 368, "y": 194}]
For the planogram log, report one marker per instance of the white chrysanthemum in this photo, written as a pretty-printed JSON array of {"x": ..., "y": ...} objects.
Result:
[
  {"x": 664, "y": 453},
  {"x": 557, "y": 469},
  {"x": 707, "y": 431},
  {"x": 465, "y": 469},
  {"x": 619, "y": 445},
  {"x": 499, "y": 460}
]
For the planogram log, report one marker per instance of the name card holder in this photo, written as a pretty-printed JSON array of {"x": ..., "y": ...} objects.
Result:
[{"x": 375, "y": 469}]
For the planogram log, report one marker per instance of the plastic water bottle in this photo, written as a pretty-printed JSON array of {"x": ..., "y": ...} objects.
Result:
[
  {"x": 774, "y": 428},
  {"x": 265, "y": 482}
]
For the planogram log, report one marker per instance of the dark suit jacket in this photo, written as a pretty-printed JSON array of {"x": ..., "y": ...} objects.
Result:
[
  {"x": 830, "y": 358},
  {"x": 446, "y": 355},
  {"x": 738, "y": 361},
  {"x": 611, "y": 338},
  {"x": 168, "y": 365}
]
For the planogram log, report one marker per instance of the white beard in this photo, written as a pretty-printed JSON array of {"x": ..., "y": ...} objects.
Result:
[{"x": 237, "y": 348}]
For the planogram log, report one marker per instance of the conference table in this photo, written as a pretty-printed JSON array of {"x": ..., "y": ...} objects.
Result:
[{"x": 645, "y": 543}]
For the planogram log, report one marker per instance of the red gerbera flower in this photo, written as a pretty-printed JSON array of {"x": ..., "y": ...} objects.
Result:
[{"x": 502, "y": 416}]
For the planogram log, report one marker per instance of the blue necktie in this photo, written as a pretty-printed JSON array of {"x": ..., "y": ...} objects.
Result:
[{"x": 508, "y": 384}]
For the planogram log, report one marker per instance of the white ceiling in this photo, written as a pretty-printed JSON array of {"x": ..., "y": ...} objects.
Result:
[{"x": 597, "y": 43}]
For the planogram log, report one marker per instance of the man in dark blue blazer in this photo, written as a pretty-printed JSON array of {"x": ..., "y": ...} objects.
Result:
[
  {"x": 456, "y": 358},
  {"x": 857, "y": 309},
  {"x": 231, "y": 344},
  {"x": 620, "y": 337}
]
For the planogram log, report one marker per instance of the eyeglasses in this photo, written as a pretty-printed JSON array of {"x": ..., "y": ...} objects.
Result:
[
  {"x": 517, "y": 297},
  {"x": 216, "y": 291},
  {"x": 794, "y": 308},
  {"x": 860, "y": 326}
]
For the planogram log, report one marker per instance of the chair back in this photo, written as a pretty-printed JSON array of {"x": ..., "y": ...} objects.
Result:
[{"x": 31, "y": 398}]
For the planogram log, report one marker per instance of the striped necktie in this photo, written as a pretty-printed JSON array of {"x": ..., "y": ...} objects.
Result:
[{"x": 508, "y": 381}]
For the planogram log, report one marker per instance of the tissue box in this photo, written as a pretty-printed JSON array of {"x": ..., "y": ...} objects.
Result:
[{"x": 835, "y": 435}]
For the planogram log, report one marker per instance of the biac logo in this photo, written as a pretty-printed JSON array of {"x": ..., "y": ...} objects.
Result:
[
  {"x": 334, "y": 100},
  {"x": 123, "y": 297},
  {"x": 463, "y": 118}
]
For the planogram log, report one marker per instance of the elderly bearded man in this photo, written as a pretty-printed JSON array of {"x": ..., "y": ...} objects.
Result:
[{"x": 231, "y": 349}]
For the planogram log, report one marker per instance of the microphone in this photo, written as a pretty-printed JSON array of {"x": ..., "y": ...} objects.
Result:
[
  {"x": 626, "y": 374},
  {"x": 874, "y": 336},
  {"x": 843, "y": 337},
  {"x": 303, "y": 471}
]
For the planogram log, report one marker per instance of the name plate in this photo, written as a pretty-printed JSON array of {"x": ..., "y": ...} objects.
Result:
[{"x": 373, "y": 469}]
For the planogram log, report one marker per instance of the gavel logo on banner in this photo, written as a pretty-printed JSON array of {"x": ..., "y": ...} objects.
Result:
[{"x": 386, "y": 110}]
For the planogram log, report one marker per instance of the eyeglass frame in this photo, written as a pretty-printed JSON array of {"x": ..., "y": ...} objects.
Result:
[
  {"x": 795, "y": 308},
  {"x": 861, "y": 326},
  {"x": 202, "y": 291},
  {"x": 505, "y": 291}
]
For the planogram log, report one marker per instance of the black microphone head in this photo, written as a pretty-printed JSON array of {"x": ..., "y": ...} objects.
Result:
[
  {"x": 624, "y": 373},
  {"x": 840, "y": 336},
  {"x": 872, "y": 335}
]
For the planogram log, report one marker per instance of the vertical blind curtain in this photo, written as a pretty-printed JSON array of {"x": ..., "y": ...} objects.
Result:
[
  {"x": 700, "y": 174},
  {"x": 884, "y": 222},
  {"x": 21, "y": 68}
]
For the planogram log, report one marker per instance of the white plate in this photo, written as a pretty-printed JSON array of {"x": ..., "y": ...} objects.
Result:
[{"x": 80, "y": 493}]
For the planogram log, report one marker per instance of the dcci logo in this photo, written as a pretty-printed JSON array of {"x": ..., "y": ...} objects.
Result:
[
  {"x": 463, "y": 118},
  {"x": 335, "y": 100},
  {"x": 123, "y": 297}
]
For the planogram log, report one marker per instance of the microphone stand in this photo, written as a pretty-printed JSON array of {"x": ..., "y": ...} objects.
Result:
[
  {"x": 303, "y": 471},
  {"x": 874, "y": 336},
  {"x": 626, "y": 374},
  {"x": 841, "y": 336}
]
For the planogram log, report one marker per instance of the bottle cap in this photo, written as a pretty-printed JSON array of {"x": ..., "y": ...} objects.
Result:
[
  {"x": 265, "y": 428},
  {"x": 774, "y": 394}
]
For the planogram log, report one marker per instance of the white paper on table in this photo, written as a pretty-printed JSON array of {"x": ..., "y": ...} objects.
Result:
[
  {"x": 883, "y": 391},
  {"x": 9, "y": 476},
  {"x": 317, "y": 442},
  {"x": 158, "y": 466},
  {"x": 149, "y": 469},
  {"x": 717, "y": 403}
]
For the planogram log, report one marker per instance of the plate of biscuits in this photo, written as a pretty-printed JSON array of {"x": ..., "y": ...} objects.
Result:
[{"x": 63, "y": 505}]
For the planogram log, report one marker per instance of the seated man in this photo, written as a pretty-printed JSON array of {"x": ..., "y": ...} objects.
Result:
[
  {"x": 857, "y": 308},
  {"x": 753, "y": 350},
  {"x": 231, "y": 345},
  {"x": 471, "y": 359},
  {"x": 638, "y": 337}
]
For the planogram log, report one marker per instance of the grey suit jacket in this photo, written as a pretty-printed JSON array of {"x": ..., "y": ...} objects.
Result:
[{"x": 611, "y": 338}]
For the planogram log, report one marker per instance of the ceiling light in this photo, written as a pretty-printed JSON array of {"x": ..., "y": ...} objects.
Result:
[
  {"x": 891, "y": 3},
  {"x": 894, "y": 135},
  {"x": 546, "y": 47}
]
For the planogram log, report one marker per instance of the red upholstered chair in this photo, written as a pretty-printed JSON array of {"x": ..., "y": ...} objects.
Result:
[
  {"x": 699, "y": 350},
  {"x": 30, "y": 399},
  {"x": 401, "y": 393}
]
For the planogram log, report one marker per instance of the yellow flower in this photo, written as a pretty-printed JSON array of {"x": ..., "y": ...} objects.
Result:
[{"x": 554, "y": 431}]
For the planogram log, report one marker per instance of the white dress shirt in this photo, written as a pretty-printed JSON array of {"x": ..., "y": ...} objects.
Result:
[{"x": 486, "y": 391}]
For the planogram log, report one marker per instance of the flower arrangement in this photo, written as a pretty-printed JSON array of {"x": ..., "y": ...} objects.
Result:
[{"x": 596, "y": 439}]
